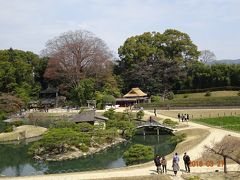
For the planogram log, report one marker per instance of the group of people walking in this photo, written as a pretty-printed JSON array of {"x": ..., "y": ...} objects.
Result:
[
  {"x": 183, "y": 117},
  {"x": 161, "y": 161}
]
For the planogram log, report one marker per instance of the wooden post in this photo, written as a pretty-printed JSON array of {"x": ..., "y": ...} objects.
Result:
[
  {"x": 225, "y": 164},
  {"x": 56, "y": 100},
  {"x": 158, "y": 131}
]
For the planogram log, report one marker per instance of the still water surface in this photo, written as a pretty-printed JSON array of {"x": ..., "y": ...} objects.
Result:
[{"x": 14, "y": 160}]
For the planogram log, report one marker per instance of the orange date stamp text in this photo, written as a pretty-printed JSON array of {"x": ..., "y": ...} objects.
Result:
[{"x": 208, "y": 163}]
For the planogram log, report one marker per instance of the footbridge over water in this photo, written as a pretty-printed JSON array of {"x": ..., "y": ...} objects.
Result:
[{"x": 154, "y": 125}]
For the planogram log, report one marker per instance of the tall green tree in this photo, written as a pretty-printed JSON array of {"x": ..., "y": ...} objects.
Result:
[
  {"x": 155, "y": 61},
  {"x": 21, "y": 73},
  {"x": 83, "y": 91}
]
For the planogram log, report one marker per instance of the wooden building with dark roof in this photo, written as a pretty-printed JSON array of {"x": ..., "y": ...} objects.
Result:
[{"x": 90, "y": 117}]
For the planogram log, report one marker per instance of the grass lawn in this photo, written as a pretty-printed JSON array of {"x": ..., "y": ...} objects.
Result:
[
  {"x": 194, "y": 102},
  {"x": 217, "y": 99},
  {"x": 201, "y": 113},
  {"x": 202, "y": 95},
  {"x": 231, "y": 122}
]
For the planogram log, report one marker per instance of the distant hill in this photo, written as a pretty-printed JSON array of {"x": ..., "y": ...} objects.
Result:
[{"x": 226, "y": 61}]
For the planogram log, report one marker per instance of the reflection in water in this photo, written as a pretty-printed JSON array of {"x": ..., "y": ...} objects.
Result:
[{"x": 14, "y": 160}]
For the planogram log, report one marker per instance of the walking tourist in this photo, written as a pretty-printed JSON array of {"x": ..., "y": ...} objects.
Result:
[
  {"x": 157, "y": 162},
  {"x": 187, "y": 117},
  {"x": 176, "y": 157},
  {"x": 155, "y": 112},
  {"x": 182, "y": 117},
  {"x": 179, "y": 117},
  {"x": 150, "y": 119},
  {"x": 175, "y": 166},
  {"x": 164, "y": 164},
  {"x": 186, "y": 160}
]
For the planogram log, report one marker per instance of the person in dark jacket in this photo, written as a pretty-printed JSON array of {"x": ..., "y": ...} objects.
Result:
[
  {"x": 186, "y": 160},
  {"x": 155, "y": 112},
  {"x": 157, "y": 162},
  {"x": 179, "y": 117}
]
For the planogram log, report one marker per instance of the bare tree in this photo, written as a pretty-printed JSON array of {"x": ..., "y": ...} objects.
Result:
[
  {"x": 10, "y": 103},
  {"x": 207, "y": 56},
  {"x": 73, "y": 54},
  {"x": 227, "y": 148}
]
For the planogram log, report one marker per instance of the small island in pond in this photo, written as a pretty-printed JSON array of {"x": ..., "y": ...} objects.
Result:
[{"x": 66, "y": 139}]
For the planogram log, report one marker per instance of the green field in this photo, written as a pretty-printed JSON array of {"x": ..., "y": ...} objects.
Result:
[
  {"x": 217, "y": 99},
  {"x": 230, "y": 122},
  {"x": 201, "y": 113},
  {"x": 202, "y": 94}
]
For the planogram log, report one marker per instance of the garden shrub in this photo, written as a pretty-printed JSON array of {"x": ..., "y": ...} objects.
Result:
[
  {"x": 63, "y": 124},
  {"x": 17, "y": 123},
  {"x": 99, "y": 105},
  {"x": 8, "y": 128},
  {"x": 185, "y": 96},
  {"x": 138, "y": 153},
  {"x": 170, "y": 95},
  {"x": 156, "y": 98},
  {"x": 208, "y": 93},
  {"x": 2, "y": 115},
  {"x": 84, "y": 148},
  {"x": 140, "y": 114},
  {"x": 170, "y": 123},
  {"x": 110, "y": 114},
  {"x": 178, "y": 138},
  {"x": 109, "y": 99}
]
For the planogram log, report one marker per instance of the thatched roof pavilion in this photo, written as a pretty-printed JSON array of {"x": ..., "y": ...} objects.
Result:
[
  {"x": 134, "y": 96},
  {"x": 135, "y": 93}
]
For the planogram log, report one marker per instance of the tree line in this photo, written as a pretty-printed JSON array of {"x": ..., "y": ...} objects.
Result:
[{"x": 82, "y": 67}]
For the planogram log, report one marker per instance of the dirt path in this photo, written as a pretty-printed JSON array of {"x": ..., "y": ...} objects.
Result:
[{"x": 149, "y": 168}]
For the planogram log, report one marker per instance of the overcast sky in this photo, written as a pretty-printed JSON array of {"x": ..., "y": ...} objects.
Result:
[{"x": 211, "y": 24}]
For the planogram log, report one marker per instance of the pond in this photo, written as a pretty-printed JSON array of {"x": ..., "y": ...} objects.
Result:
[{"x": 14, "y": 160}]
